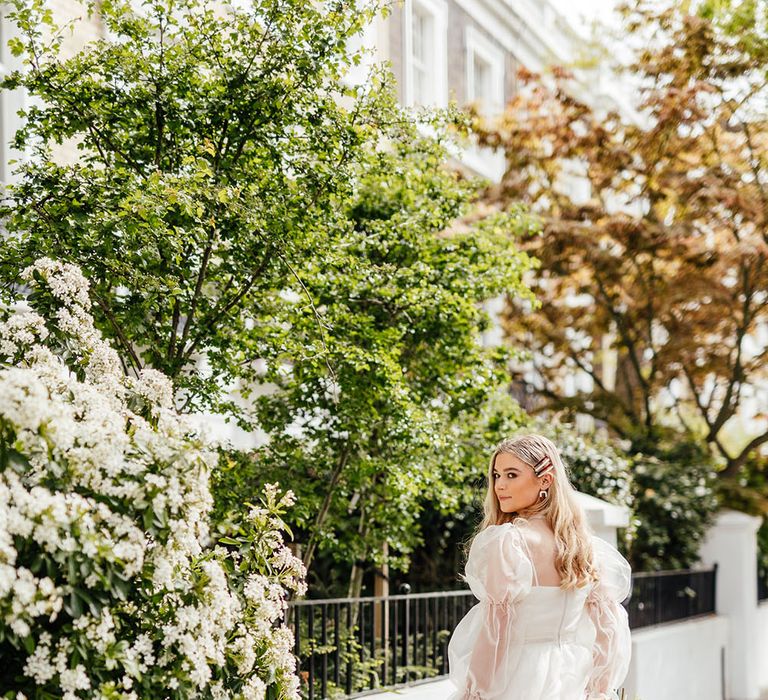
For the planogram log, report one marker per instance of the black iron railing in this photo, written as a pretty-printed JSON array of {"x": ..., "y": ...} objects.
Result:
[
  {"x": 665, "y": 596},
  {"x": 762, "y": 588},
  {"x": 348, "y": 647}
]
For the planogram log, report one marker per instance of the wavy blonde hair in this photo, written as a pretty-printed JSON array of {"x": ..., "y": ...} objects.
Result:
[{"x": 573, "y": 537}]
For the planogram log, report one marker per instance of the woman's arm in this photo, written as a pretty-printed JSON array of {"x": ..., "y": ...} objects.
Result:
[
  {"x": 612, "y": 648},
  {"x": 506, "y": 573},
  {"x": 488, "y": 653}
]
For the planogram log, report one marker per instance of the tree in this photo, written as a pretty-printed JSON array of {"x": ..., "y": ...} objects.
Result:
[
  {"x": 247, "y": 221},
  {"x": 654, "y": 235},
  {"x": 403, "y": 299},
  {"x": 211, "y": 144}
]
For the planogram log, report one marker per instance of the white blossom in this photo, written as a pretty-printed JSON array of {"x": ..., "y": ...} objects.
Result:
[{"x": 112, "y": 487}]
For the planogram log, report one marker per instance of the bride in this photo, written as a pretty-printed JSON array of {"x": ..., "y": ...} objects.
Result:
[{"x": 549, "y": 624}]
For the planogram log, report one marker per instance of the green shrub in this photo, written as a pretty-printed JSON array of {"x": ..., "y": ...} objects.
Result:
[{"x": 111, "y": 585}]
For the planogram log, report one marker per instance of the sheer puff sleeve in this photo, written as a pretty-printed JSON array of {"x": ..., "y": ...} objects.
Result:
[
  {"x": 612, "y": 648},
  {"x": 486, "y": 644}
]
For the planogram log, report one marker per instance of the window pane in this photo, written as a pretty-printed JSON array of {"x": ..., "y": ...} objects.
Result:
[
  {"x": 483, "y": 77},
  {"x": 419, "y": 36},
  {"x": 422, "y": 56}
]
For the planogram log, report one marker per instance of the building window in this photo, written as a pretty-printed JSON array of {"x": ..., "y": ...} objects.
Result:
[
  {"x": 426, "y": 57},
  {"x": 482, "y": 83},
  {"x": 484, "y": 62},
  {"x": 422, "y": 55},
  {"x": 485, "y": 73}
]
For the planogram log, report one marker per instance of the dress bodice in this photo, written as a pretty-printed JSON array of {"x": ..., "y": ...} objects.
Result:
[
  {"x": 525, "y": 641},
  {"x": 552, "y": 614}
]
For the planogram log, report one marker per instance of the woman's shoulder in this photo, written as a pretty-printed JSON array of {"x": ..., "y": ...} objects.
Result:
[
  {"x": 607, "y": 553},
  {"x": 492, "y": 532},
  {"x": 518, "y": 532},
  {"x": 517, "y": 525},
  {"x": 504, "y": 537},
  {"x": 497, "y": 530},
  {"x": 614, "y": 570},
  {"x": 498, "y": 566}
]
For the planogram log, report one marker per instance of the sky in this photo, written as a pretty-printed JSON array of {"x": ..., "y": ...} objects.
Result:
[{"x": 581, "y": 12}]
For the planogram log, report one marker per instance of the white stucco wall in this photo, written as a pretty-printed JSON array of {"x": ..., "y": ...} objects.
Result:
[
  {"x": 603, "y": 517},
  {"x": 762, "y": 647},
  {"x": 732, "y": 543},
  {"x": 678, "y": 661}
]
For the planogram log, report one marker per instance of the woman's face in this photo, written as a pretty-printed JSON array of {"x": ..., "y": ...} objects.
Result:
[{"x": 515, "y": 484}]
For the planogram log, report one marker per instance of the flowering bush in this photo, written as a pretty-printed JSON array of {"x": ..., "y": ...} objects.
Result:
[
  {"x": 676, "y": 502},
  {"x": 110, "y": 583},
  {"x": 596, "y": 466}
]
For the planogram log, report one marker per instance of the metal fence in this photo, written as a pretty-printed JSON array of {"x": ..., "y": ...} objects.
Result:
[
  {"x": 666, "y": 596},
  {"x": 762, "y": 588},
  {"x": 348, "y": 647}
]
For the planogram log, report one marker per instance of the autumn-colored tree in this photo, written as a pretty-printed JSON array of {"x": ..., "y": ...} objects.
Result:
[{"x": 654, "y": 236}]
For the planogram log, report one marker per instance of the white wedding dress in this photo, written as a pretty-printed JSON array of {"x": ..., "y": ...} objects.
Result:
[{"x": 524, "y": 641}]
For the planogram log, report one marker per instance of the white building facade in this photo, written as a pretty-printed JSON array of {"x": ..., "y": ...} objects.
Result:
[{"x": 466, "y": 51}]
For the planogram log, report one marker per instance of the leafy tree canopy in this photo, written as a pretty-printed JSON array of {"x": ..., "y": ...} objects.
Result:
[
  {"x": 212, "y": 148},
  {"x": 655, "y": 235},
  {"x": 276, "y": 241}
]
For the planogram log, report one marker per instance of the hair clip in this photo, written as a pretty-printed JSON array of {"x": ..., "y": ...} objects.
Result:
[{"x": 543, "y": 465}]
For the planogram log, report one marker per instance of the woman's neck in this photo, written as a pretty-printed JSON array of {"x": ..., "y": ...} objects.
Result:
[{"x": 535, "y": 516}]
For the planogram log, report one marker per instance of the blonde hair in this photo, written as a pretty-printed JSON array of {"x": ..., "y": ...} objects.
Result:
[{"x": 573, "y": 537}]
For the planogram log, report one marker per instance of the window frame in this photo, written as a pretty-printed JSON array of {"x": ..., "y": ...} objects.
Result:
[
  {"x": 478, "y": 45},
  {"x": 437, "y": 10}
]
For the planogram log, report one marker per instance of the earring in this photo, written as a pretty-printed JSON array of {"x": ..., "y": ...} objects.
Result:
[{"x": 543, "y": 495}]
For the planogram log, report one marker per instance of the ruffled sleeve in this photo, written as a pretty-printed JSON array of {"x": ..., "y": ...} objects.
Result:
[
  {"x": 612, "y": 648},
  {"x": 486, "y": 644}
]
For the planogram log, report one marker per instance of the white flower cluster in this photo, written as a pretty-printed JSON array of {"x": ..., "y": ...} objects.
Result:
[
  {"x": 20, "y": 331},
  {"x": 32, "y": 597},
  {"x": 155, "y": 387},
  {"x": 266, "y": 595},
  {"x": 65, "y": 525},
  {"x": 273, "y": 550},
  {"x": 104, "y": 528},
  {"x": 69, "y": 288}
]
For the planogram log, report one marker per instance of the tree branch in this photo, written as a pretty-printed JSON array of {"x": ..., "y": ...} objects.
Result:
[
  {"x": 135, "y": 361},
  {"x": 736, "y": 463},
  {"x": 218, "y": 314},
  {"x": 195, "y": 296},
  {"x": 322, "y": 513}
]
